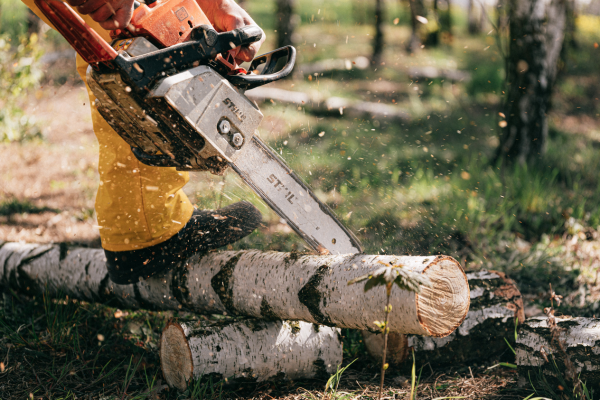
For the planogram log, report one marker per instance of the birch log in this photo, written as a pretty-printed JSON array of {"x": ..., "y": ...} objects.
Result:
[
  {"x": 250, "y": 350},
  {"x": 495, "y": 304},
  {"x": 332, "y": 106},
  {"x": 537, "y": 350},
  {"x": 268, "y": 285}
]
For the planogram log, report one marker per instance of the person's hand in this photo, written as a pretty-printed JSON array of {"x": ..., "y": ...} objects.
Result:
[
  {"x": 226, "y": 15},
  {"x": 111, "y": 14}
]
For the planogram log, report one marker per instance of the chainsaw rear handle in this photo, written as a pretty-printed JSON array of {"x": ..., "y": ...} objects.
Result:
[
  {"x": 225, "y": 41},
  {"x": 275, "y": 68}
]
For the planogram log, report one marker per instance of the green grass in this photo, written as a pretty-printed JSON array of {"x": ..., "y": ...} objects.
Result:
[
  {"x": 15, "y": 206},
  {"x": 65, "y": 349}
]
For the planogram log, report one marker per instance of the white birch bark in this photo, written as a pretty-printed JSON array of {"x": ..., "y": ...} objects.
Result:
[
  {"x": 268, "y": 285},
  {"x": 538, "y": 351},
  {"x": 495, "y": 304},
  {"x": 249, "y": 350}
]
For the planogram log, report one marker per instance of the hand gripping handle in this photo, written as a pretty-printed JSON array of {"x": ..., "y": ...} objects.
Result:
[{"x": 90, "y": 46}]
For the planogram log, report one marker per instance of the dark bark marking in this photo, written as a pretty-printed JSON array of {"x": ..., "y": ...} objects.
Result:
[
  {"x": 255, "y": 325},
  {"x": 102, "y": 294},
  {"x": 295, "y": 325},
  {"x": 143, "y": 303},
  {"x": 222, "y": 283},
  {"x": 320, "y": 368},
  {"x": 311, "y": 296},
  {"x": 64, "y": 250},
  {"x": 17, "y": 277},
  {"x": 179, "y": 284},
  {"x": 266, "y": 312}
]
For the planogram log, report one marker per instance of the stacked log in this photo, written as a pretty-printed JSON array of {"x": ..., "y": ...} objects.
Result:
[
  {"x": 571, "y": 351},
  {"x": 249, "y": 351},
  {"x": 496, "y": 305},
  {"x": 266, "y": 285}
]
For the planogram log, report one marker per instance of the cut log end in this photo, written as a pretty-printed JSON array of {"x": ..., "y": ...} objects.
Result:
[
  {"x": 397, "y": 351},
  {"x": 495, "y": 306},
  {"x": 442, "y": 307},
  {"x": 248, "y": 350},
  {"x": 176, "y": 357}
]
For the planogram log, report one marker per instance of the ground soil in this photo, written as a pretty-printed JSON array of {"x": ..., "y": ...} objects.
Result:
[{"x": 57, "y": 173}]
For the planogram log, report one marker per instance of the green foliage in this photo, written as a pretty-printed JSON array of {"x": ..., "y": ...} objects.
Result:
[
  {"x": 19, "y": 72},
  {"x": 16, "y": 206},
  {"x": 541, "y": 385},
  {"x": 200, "y": 389},
  {"x": 334, "y": 380},
  {"x": 13, "y": 18}
]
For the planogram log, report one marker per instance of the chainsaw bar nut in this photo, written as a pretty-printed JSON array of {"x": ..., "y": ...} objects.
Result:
[
  {"x": 237, "y": 139},
  {"x": 224, "y": 127}
]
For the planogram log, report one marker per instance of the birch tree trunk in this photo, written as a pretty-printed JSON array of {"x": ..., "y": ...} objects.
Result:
[
  {"x": 538, "y": 349},
  {"x": 248, "y": 351},
  {"x": 473, "y": 20},
  {"x": 285, "y": 22},
  {"x": 537, "y": 30},
  {"x": 496, "y": 303},
  {"x": 268, "y": 285}
]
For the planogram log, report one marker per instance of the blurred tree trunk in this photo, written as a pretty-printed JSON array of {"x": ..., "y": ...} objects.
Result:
[
  {"x": 446, "y": 21},
  {"x": 474, "y": 23},
  {"x": 34, "y": 23},
  {"x": 537, "y": 29},
  {"x": 433, "y": 38},
  {"x": 571, "y": 27},
  {"x": 417, "y": 9},
  {"x": 378, "y": 40},
  {"x": 443, "y": 31},
  {"x": 286, "y": 22}
]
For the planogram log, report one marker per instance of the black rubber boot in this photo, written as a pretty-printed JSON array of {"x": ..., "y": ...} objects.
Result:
[{"x": 206, "y": 230}]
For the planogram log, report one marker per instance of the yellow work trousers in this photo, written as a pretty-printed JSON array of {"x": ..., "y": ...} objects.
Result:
[{"x": 137, "y": 205}]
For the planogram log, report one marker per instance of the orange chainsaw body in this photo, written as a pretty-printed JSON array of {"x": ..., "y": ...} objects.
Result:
[{"x": 166, "y": 22}]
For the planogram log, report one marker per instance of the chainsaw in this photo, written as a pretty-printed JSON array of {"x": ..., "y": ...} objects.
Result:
[{"x": 169, "y": 85}]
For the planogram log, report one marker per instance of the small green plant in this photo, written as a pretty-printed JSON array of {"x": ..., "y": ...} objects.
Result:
[
  {"x": 387, "y": 276},
  {"x": 199, "y": 389},
  {"x": 18, "y": 73},
  {"x": 333, "y": 382}
]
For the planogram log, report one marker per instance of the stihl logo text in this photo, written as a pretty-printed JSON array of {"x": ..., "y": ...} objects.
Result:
[
  {"x": 277, "y": 183},
  {"x": 234, "y": 109}
]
